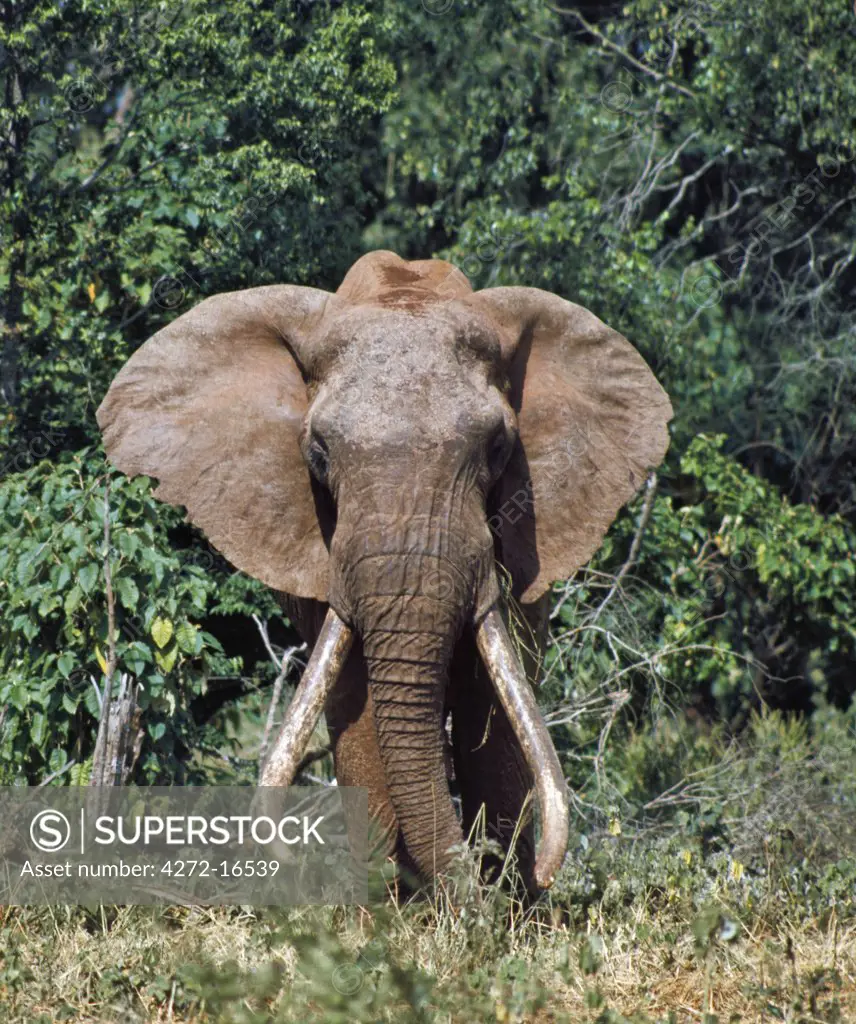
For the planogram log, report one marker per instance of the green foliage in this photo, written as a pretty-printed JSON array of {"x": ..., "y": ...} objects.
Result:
[
  {"x": 161, "y": 154},
  {"x": 152, "y": 156},
  {"x": 52, "y": 568},
  {"x": 751, "y": 571},
  {"x": 686, "y": 172},
  {"x": 738, "y": 600}
]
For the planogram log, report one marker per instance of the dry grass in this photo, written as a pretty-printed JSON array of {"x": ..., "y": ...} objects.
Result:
[
  {"x": 792, "y": 973},
  {"x": 762, "y": 977},
  {"x": 645, "y": 924}
]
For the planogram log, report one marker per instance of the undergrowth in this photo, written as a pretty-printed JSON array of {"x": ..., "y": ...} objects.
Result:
[{"x": 731, "y": 898}]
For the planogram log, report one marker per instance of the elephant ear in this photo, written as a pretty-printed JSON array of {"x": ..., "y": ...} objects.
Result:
[
  {"x": 212, "y": 406},
  {"x": 592, "y": 420}
]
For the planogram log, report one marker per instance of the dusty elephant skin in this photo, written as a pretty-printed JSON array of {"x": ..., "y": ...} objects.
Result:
[{"x": 373, "y": 455}]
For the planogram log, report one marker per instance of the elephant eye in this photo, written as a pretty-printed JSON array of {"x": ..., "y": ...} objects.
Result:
[
  {"x": 318, "y": 459},
  {"x": 498, "y": 451}
]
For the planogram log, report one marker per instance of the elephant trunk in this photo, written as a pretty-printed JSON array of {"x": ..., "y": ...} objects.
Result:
[
  {"x": 408, "y": 592},
  {"x": 407, "y": 667}
]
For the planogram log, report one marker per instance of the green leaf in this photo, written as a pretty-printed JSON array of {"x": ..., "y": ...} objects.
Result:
[
  {"x": 90, "y": 701},
  {"x": 188, "y": 639},
  {"x": 161, "y": 631},
  {"x": 128, "y": 543},
  {"x": 18, "y": 696},
  {"x": 39, "y": 728},
  {"x": 69, "y": 703},
  {"x": 87, "y": 576},
  {"x": 48, "y": 603},
  {"x": 65, "y": 663},
  {"x": 27, "y": 568},
  {"x": 166, "y": 659},
  {"x": 128, "y": 592}
]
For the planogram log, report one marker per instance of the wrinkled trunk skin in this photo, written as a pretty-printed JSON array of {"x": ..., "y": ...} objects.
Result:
[
  {"x": 408, "y": 682},
  {"x": 409, "y": 585}
]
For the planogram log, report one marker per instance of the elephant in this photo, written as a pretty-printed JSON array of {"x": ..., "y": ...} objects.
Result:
[{"x": 402, "y": 461}]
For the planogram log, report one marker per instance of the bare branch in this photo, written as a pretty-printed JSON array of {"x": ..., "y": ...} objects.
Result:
[
  {"x": 55, "y": 775},
  {"x": 647, "y": 507},
  {"x": 105, "y": 696},
  {"x": 119, "y": 738},
  {"x": 283, "y": 666},
  {"x": 609, "y": 44}
]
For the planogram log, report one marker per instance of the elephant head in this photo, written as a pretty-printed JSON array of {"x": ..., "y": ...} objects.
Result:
[{"x": 380, "y": 450}]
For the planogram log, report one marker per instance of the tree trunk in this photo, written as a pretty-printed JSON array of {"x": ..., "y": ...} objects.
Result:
[{"x": 15, "y": 141}]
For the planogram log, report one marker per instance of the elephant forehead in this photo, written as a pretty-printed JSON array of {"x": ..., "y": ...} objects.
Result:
[
  {"x": 387, "y": 401},
  {"x": 417, "y": 357},
  {"x": 403, "y": 381},
  {"x": 402, "y": 403},
  {"x": 444, "y": 333},
  {"x": 414, "y": 362}
]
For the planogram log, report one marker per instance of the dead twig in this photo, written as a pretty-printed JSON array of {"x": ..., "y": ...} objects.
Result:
[
  {"x": 283, "y": 666},
  {"x": 105, "y": 697},
  {"x": 119, "y": 738},
  {"x": 610, "y": 45},
  {"x": 647, "y": 507},
  {"x": 55, "y": 775}
]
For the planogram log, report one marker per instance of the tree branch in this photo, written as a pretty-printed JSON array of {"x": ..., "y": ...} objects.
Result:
[
  {"x": 607, "y": 42},
  {"x": 650, "y": 492},
  {"x": 283, "y": 666}
]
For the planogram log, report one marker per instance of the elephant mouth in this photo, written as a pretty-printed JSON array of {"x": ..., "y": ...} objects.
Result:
[{"x": 509, "y": 680}]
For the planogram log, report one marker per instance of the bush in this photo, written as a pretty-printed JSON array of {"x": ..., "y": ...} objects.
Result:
[{"x": 54, "y": 634}]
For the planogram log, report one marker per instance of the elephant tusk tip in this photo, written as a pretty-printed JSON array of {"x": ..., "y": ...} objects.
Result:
[
  {"x": 545, "y": 877},
  {"x": 510, "y": 682}
]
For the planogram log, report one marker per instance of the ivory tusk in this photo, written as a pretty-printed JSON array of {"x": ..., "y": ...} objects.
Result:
[
  {"x": 517, "y": 699},
  {"x": 322, "y": 670}
]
